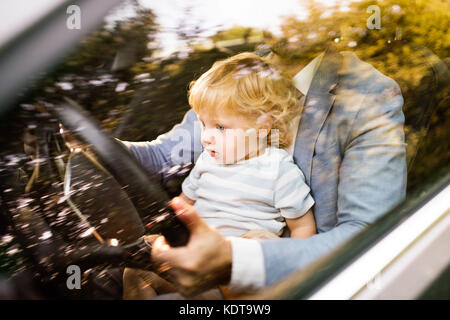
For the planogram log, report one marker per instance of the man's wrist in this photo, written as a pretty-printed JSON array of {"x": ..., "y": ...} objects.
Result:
[{"x": 247, "y": 267}]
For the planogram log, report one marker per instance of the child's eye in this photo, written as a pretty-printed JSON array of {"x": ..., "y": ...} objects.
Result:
[{"x": 220, "y": 127}]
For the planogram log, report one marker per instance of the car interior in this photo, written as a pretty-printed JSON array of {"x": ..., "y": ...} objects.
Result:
[{"x": 72, "y": 194}]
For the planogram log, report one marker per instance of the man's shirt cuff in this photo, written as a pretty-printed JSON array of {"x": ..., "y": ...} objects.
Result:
[{"x": 247, "y": 270}]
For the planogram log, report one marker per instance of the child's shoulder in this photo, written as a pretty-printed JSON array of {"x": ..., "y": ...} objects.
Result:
[
  {"x": 281, "y": 155},
  {"x": 286, "y": 164}
]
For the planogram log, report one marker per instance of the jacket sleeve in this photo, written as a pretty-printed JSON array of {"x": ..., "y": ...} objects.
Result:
[
  {"x": 171, "y": 153},
  {"x": 372, "y": 180}
]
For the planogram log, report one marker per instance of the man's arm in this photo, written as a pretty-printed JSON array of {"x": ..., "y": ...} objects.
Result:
[
  {"x": 372, "y": 180},
  {"x": 170, "y": 151}
]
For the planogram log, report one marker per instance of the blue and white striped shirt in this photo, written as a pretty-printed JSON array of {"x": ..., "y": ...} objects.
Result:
[{"x": 257, "y": 193}]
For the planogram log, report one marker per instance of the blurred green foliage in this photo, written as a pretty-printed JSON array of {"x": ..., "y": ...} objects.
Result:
[
  {"x": 137, "y": 95},
  {"x": 412, "y": 46},
  {"x": 237, "y": 32}
]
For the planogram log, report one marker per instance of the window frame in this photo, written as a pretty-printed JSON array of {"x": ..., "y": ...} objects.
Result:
[{"x": 322, "y": 275}]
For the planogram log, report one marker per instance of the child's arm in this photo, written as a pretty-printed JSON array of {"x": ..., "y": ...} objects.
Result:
[
  {"x": 186, "y": 199},
  {"x": 302, "y": 227}
]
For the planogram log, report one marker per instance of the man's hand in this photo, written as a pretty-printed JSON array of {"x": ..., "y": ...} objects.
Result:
[{"x": 203, "y": 263}]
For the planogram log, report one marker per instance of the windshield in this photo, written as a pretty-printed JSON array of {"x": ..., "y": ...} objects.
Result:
[{"x": 133, "y": 74}]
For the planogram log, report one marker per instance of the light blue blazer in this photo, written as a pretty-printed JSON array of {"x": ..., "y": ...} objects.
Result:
[{"x": 350, "y": 146}]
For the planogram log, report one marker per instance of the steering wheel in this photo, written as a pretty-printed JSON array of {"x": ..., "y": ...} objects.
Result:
[
  {"x": 149, "y": 199},
  {"x": 51, "y": 249}
]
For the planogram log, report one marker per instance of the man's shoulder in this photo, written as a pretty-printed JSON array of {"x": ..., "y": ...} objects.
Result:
[{"x": 359, "y": 75}]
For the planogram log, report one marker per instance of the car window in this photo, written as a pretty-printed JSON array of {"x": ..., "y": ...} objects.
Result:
[{"x": 133, "y": 73}]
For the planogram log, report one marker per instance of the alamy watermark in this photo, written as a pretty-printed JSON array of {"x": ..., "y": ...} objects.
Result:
[
  {"x": 374, "y": 21},
  {"x": 243, "y": 140},
  {"x": 74, "y": 279},
  {"x": 73, "y": 22}
]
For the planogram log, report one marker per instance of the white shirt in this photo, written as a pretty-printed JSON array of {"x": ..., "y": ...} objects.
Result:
[
  {"x": 247, "y": 271},
  {"x": 252, "y": 194}
]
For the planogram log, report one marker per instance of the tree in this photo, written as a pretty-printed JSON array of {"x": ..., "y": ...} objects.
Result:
[{"x": 412, "y": 46}]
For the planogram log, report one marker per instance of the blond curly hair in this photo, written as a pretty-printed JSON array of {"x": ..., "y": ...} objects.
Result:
[{"x": 249, "y": 86}]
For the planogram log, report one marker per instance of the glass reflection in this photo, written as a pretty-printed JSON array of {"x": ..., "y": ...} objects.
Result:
[{"x": 133, "y": 74}]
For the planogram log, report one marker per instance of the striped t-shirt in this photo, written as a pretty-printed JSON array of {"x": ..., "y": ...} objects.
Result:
[{"x": 257, "y": 193}]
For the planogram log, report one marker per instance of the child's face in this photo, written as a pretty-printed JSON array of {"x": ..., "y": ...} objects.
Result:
[{"x": 229, "y": 138}]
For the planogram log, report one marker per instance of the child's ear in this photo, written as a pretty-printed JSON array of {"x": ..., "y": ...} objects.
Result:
[
  {"x": 264, "y": 121},
  {"x": 264, "y": 124}
]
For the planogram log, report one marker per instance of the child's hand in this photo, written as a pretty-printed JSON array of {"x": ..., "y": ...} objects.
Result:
[{"x": 186, "y": 199}]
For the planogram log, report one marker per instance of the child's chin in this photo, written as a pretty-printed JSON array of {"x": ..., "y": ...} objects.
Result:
[{"x": 221, "y": 160}]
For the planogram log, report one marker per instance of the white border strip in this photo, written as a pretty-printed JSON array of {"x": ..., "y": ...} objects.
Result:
[{"x": 347, "y": 283}]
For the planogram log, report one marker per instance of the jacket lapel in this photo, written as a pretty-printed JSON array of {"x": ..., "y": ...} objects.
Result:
[{"x": 318, "y": 103}]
